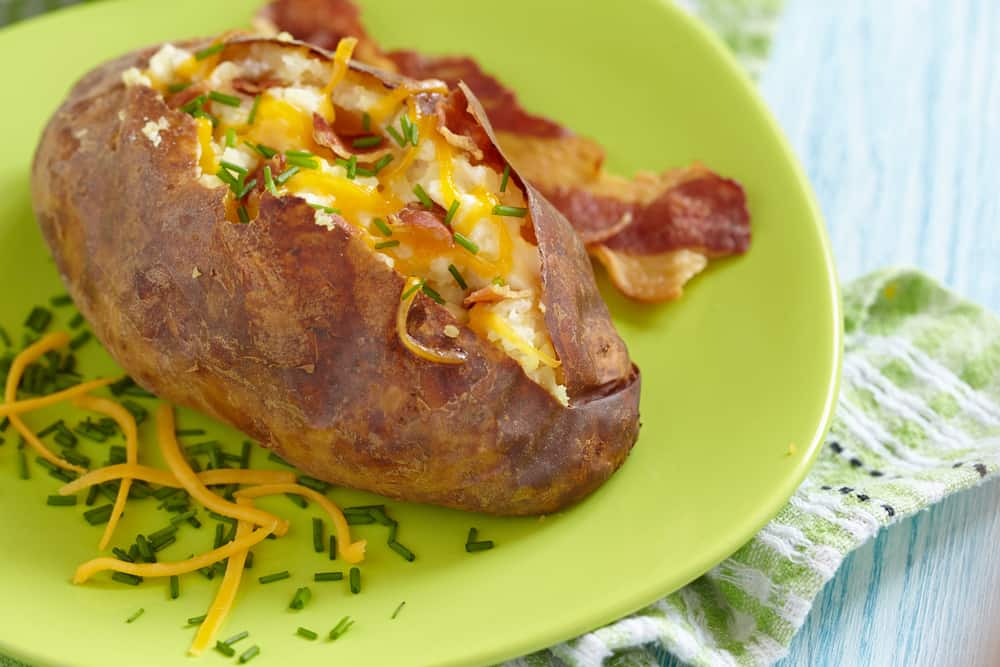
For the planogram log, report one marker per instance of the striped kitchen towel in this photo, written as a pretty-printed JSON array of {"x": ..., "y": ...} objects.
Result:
[{"x": 918, "y": 419}]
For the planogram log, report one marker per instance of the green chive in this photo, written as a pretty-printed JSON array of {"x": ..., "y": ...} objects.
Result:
[
  {"x": 367, "y": 142},
  {"x": 457, "y": 276},
  {"x": 382, "y": 162},
  {"x": 194, "y": 105},
  {"x": 61, "y": 501},
  {"x": 451, "y": 212},
  {"x": 355, "y": 580},
  {"x": 145, "y": 548},
  {"x": 239, "y": 636},
  {"x": 225, "y": 649},
  {"x": 126, "y": 578},
  {"x": 209, "y": 51},
  {"x": 405, "y": 125},
  {"x": 333, "y": 547},
  {"x": 269, "y": 182},
  {"x": 138, "y": 612},
  {"x": 307, "y": 633},
  {"x": 359, "y": 519},
  {"x": 231, "y": 137},
  {"x": 423, "y": 196},
  {"x": 484, "y": 545},
  {"x": 510, "y": 211},
  {"x": 326, "y": 209},
  {"x": 121, "y": 554},
  {"x": 304, "y": 162},
  {"x": 247, "y": 187},
  {"x": 397, "y": 137},
  {"x": 398, "y": 609},
  {"x": 162, "y": 534},
  {"x": 181, "y": 432},
  {"x": 473, "y": 535},
  {"x": 366, "y": 122},
  {"x": 245, "y": 454},
  {"x": 285, "y": 175},
  {"x": 73, "y": 323},
  {"x": 342, "y": 626},
  {"x": 60, "y": 300},
  {"x": 178, "y": 87},
  {"x": 382, "y": 227},
  {"x": 229, "y": 166},
  {"x": 352, "y": 167},
  {"x": 253, "y": 111},
  {"x": 248, "y": 563},
  {"x": 319, "y": 536},
  {"x": 79, "y": 340},
  {"x": 228, "y": 100},
  {"x": 386, "y": 244},
  {"x": 38, "y": 319},
  {"x": 25, "y": 472},
  {"x": 506, "y": 175},
  {"x": 220, "y": 535},
  {"x": 301, "y": 598},
  {"x": 426, "y": 289},
  {"x": 98, "y": 515},
  {"x": 298, "y": 500},
  {"x": 175, "y": 587},
  {"x": 243, "y": 215},
  {"x": 271, "y": 578},
  {"x": 92, "y": 495},
  {"x": 412, "y": 289},
  {"x": 402, "y": 551},
  {"x": 266, "y": 151},
  {"x": 137, "y": 411},
  {"x": 328, "y": 576},
  {"x": 196, "y": 620},
  {"x": 466, "y": 243},
  {"x": 249, "y": 654}
]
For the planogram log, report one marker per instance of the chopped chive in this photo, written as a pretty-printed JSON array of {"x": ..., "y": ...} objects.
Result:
[
  {"x": 38, "y": 319},
  {"x": 269, "y": 181},
  {"x": 307, "y": 633},
  {"x": 249, "y": 654},
  {"x": 220, "y": 535},
  {"x": 233, "y": 167},
  {"x": 499, "y": 282},
  {"x": 342, "y": 626},
  {"x": 98, "y": 515},
  {"x": 423, "y": 196},
  {"x": 506, "y": 176},
  {"x": 209, "y": 51},
  {"x": 367, "y": 142},
  {"x": 225, "y": 649},
  {"x": 145, "y": 548},
  {"x": 271, "y": 578},
  {"x": 382, "y": 227},
  {"x": 126, "y": 578},
  {"x": 285, "y": 175},
  {"x": 194, "y": 104},
  {"x": 355, "y": 580},
  {"x": 414, "y": 134},
  {"x": 411, "y": 290},
  {"x": 222, "y": 98},
  {"x": 352, "y": 167},
  {"x": 61, "y": 501},
  {"x": 60, "y": 300},
  {"x": 510, "y": 211},
  {"x": 451, "y": 212},
  {"x": 138, "y": 612},
  {"x": 301, "y": 598},
  {"x": 457, "y": 276},
  {"x": 366, "y": 122},
  {"x": 484, "y": 545},
  {"x": 402, "y": 551},
  {"x": 473, "y": 535},
  {"x": 243, "y": 215},
  {"x": 231, "y": 137},
  {"x": 79, "y": 340},
  {"x": 6, "y": 338},
  {"x": 386, "y": 244},
  {"x": 333, "y": 547},
  {"x": 245, "y": 454},
  {"x": 319, "y": 535},
  {"x": 121, "y": 554},
  {"x": 322, "y": 207},
  {"x": 304, "y": 162},
  {"x": 405, "y": 125},
  {"x": 426, "y": 289},
  {"x": 196, "y": 620},
  {"x": 24, "y": 471},
  {"x": 92, "y": 495},
  {"x": 175, "y": 587},
  {"x": 328, "y": 576},
  {"x": 207, "y": 572},
  {"x": 466, "y": 243},
  {"x": 253, "y": 110},
  {"x": 247, "y": 187},
  {"x": 297, "y": 153},
  {"x": 271, "y": 456},
  {"x": 359, "y": 519},
  {"x": 239, "y": 636},
  {"x": 266, "y": 151},
  {"x": 162, "y": 533},
  {"x": 228, "y": 179},
  {"x": 178, "y": 87},
  {"x": 298, "y": 500},
  {"x": 248, "y": 563},
  {"x": 204, "y": 114},
  {"x": 382, "y": 162},
  {"x": 398, "y": 609},
  {"x": 182, "y": 432},
  {"x": 397, "y": 137}
]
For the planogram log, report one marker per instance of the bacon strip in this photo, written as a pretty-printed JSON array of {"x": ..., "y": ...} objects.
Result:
[{"x": 652, "y": 233}]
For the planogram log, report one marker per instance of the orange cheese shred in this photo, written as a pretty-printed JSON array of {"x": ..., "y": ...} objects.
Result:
[
  {"x": 21, "y": 361},
  {"x": 166, "y": 478},
  {"x": 412, "y": 344},
  {"x": 352, "y": 552},
  {"x": 31, "y": 404},
  {"x": 189, "y": 480},
  {"x": 126, "y": 422}
]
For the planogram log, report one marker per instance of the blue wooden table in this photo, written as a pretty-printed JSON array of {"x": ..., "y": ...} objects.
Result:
[{"x": 894, "y": 109}]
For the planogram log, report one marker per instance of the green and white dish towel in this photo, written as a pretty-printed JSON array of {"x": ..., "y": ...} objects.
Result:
[{"x": 918, "y": 418}]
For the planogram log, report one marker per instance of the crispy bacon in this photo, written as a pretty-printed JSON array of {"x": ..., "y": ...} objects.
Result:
[
  {"x": 494, "y": 294},
  {"x": 426, "y": 221},
  {"x": 180, "y": 98},
  {"x": 249, "y": 86},
  {"x": 326, "y": 135},
  {"x": 652, "y": 232}
]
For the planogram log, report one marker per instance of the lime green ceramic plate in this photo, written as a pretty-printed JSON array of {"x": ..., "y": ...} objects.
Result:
[{"x": 745, "y": 364}]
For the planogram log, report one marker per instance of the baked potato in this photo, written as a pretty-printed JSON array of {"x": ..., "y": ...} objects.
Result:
[{"x": 341, "y": 264}]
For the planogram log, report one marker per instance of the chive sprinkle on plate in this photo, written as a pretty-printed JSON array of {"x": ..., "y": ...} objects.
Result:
[
  {"x": 342, "y": 626},
  {"x": 277, "y": 576},
  {"x": 307, "y": 633},
  {"x": 138, "y": 612}
]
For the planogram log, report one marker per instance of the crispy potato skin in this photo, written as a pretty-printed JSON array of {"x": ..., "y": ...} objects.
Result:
[{"x": 288, "y": 333}]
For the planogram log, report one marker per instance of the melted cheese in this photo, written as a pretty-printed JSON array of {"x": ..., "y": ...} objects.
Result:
[
  {"x": 206, "y": 155},
  {"x": 341, "y": 61},
  {"x": 281, "y": 125},
  {"x": 484, "y": 321}
]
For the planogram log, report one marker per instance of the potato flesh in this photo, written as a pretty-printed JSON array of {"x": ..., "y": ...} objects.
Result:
[{"x": 284, "y": 122}]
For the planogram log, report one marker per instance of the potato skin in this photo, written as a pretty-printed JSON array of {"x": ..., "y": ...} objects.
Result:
[{"x": 288, "y": 333}]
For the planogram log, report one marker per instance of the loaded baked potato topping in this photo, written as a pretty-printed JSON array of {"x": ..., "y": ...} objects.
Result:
[{"x": 379, "y": 161}]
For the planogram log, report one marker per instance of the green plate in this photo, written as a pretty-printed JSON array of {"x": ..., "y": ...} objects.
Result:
[{"x": 745, "y": 364}]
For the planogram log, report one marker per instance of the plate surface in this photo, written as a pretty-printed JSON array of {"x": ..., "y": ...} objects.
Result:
[{"x": 743, "y": 365}]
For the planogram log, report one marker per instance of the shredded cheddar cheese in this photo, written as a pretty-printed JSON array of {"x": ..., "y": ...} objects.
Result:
[
  {"x": 341, "y": 61},
  {"x": 194, "y": 486},
  {"x": 483, "y": 320},
  {"x": 412, "y": 344},
  {"x": 352, "y": 552},
  {"x": 206, "y": 158},
  {"x": 20, "y": 407},
  {"x": 166, "y": 478}
]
